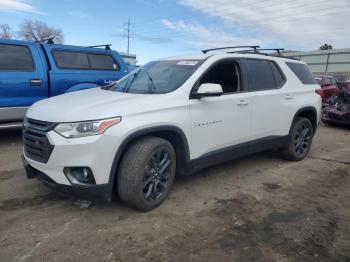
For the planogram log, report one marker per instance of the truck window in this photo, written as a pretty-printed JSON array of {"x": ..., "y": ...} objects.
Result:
[
  {"x": 303, "y": 73},
  {"x": 71, "y": 60},
  {"x": 102, "y": 62},
  {"x": 260, "y": 75},
  {"x": 16, "y": 58},
  {"x": 84, "y": 61}
]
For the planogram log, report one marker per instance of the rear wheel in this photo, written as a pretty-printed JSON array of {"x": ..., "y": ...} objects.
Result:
[
  {"x": 300, "y": 140},
  {"x": 146, "y": 173}
]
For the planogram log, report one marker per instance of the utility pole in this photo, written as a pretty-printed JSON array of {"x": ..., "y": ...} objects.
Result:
[{"x": 128, "y": 32}]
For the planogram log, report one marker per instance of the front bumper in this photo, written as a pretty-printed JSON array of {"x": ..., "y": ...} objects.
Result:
[
  {"x": 96, "y": 152},
  {"x": 101, "y": 192}
]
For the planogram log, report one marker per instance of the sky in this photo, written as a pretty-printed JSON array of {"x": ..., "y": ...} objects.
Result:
[{"x": 163, "y": 28}]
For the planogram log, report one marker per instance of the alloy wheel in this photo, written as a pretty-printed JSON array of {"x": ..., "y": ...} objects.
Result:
[
  {"x": 302, "y": 140},
  {"x": 157, "y": 174}
]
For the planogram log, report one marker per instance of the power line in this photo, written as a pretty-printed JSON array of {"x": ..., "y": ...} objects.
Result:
[
  {"x": 286, "y": 15},
  {"x": 256, "y": 5},
  {"x": 217, "y": 8},
  {"x": 335, "y": 12},
  {"x": 278, "y": 19}
]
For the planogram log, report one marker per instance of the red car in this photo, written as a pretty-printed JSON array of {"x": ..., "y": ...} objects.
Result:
[
  {"x": 329, "y": 87},
  {"x": 338, "y": 110}
]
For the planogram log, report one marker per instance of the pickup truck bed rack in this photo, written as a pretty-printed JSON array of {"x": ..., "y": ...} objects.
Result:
[{"x": 107, "y": 46}]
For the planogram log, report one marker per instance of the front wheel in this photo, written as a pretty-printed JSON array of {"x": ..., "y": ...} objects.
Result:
[
  {"x": 146, "y": 173},
  {"x": 300, "y": 140}
]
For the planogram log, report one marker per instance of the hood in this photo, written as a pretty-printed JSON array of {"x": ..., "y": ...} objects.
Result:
[{"x": 90, "y": 104}]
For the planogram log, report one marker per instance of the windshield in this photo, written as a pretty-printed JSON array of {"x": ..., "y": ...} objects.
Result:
[{"x": 157, "y": 77}]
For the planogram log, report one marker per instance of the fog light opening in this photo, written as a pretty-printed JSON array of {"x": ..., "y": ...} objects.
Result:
[{"x": 79, "y": 175}]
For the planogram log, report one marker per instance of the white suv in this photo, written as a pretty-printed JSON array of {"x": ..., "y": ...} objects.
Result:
[{"x": 171, "y": 116}]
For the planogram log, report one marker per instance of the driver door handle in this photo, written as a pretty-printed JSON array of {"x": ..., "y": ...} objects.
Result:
[
  {"x": 288, "y": 97},
  {"x": 36, "y": 82},
  {"x": 242, "y": 102}
]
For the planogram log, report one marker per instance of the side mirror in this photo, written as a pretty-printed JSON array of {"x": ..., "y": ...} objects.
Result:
[{"x": 208, "y": 89}]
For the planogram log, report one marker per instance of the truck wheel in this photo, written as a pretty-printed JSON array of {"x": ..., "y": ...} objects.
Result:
[
  {"x": 300, "y": 140},
  {"x": 146, "y": 173}
]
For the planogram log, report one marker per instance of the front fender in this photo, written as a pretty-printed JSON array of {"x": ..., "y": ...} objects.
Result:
[
  {"x": 143, "y": 132},
  {"x": 81, "y": 86}
]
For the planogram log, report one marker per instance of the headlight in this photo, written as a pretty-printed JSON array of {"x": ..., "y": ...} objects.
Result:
[{"x": 87, "y": 128}]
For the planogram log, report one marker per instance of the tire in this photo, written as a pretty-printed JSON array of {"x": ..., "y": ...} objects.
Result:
[
  {"x": 141, "y": 182},
  {"x": 299, "y": 140}
]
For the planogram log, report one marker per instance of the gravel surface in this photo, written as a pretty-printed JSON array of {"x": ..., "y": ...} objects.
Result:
[{"x": 258, "y": 208}]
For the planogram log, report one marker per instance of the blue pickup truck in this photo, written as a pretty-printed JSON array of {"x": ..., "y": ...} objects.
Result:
[{"x": 32, "y": 71}]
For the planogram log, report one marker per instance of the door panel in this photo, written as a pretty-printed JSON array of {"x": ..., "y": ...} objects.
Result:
[
  {"x": 21, "y": 86},
  {"x": 66, "y": 80},
  {"x": 220, "y": 122},
  {"x": 271, "y": 112},
  {"x": 270, "y": 102}
]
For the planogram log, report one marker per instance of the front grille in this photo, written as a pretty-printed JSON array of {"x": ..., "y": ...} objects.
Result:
[
  {"x": 39, "y": 125},
  {"x": 35, "y": 142}
]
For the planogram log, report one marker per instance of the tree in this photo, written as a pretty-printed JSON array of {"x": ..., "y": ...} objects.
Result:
[
  {"x": 326, "y": 47},
  {"x": 6, "y": 32},
  {"x": 39, "y": 31}
]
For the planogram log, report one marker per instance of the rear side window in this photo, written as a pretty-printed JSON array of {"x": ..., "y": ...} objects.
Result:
[
  {"x": 83, "y": 60},
  {"x": 279, "y": 78},
  {"x": 261, "y": 75},
  {"x": 303, "y": 73},
  {"x": 102, "y": 62},
  {"x": 16, "y": 58}
]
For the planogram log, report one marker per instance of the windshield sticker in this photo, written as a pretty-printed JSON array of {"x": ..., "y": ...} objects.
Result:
[{"x": 187, "y": 63}]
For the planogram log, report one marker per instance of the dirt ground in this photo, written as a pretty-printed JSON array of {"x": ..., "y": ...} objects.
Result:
[{"x": 259, "y": 208}]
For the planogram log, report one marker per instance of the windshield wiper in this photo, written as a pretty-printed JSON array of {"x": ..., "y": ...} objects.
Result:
[
  {"x": 150, "y": 80},
  {"x": 131, "y": 81}
]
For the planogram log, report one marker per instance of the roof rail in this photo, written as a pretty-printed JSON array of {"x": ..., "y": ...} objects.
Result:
[
  {"x": 258, "y": 51},
  {"x": 278, "y": 50},
  {"x": 107, "y": 46},
  {"x": 279, "y": 54},
  {"x": 245, "y": 51},
  {"x": 254, "y": 50},
  {"x": 254, "y": 47}
]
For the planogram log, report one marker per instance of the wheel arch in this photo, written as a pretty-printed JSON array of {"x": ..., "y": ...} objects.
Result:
[
  {"x": 172, "y": 134},
  {"x": 308, "y": 112},
  {"x": 81, "y": 86}
]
